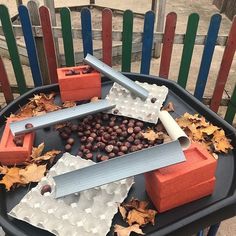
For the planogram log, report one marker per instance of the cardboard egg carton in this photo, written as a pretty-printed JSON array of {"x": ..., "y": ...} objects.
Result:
[
  {"x": 134, "y": 107},
  {"x": 89, "y": 212}
]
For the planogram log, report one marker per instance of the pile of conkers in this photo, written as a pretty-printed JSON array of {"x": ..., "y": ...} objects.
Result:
[{"x": 104, "y": 136}]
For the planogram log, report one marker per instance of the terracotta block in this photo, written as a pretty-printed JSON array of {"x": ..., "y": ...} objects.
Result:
[
  {"x": 79, "y": 80},
  {"x": 180, "y": 198},
  {"x": 80, "y": 94},
  {"x": 199, "y": 166},
  {"x": 10, "y": 154}
]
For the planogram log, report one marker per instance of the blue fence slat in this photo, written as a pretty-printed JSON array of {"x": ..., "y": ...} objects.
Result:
[
  {"x": 86, "y": 31},
  {"x": 30, "y": 45},
  {"x": 207, "y": 55},
  {"x": 149, "y": 21}
]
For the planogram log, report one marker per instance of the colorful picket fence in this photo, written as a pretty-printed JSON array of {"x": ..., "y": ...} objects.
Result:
[{"x": 128, "y": 39}]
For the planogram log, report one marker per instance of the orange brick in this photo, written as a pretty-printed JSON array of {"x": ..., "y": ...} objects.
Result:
[
  {"x": 80, "y": 94},
  {"x": 79, "y": 84},
  {"x": 180, "y": 198},
  {"x": 199, "y": 166},
  {"x": 10, "y": 154}
]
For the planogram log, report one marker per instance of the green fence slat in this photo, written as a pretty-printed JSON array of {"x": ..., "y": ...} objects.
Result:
[
  {"x": 67, "y": 36},
  {"x": 127, "y": 36},
  {"x": 231, "y": 110},
  {"x": 187, "y": 53},
  {"x": 12, "y": 48}
]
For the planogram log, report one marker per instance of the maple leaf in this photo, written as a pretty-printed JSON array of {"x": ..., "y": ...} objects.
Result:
[
  {"x": 183, "y": 122},
  {"x": 169, "y": 107},
  {"x": 11, "y": 177},
  {"x": 223, "y": 146},
  {"x": 3, "y": 170},
  {"x": 152, "y": 135},
  {"x": 209, "y": 129},
  {"x": 138, "y": 217},
  {"x": 94, "y": 99},
  {"x": 37, "y": 151},
  {"x": 123, "y": 212},
  {"x": 68, "y": 104},
  {"x": 48, "y": 106},
  {"x": 32, "y": 173},
  {"x": 126, "y": 231},
  {"x": 47, "y": 156}
]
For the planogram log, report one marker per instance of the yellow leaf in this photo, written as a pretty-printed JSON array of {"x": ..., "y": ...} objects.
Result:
[
  {"x": 169, "y": 107},
  {"x": 152, "y": 136},
  {"x": 68, "y": 104},
  {"x": 47, "y": 155},
  {"x": 209, "y": 129},
  {"x": 126, "y": 231},
  {"x": 32, "y": 173},
  {"x": 3, "y": 170},
  {"x": 37, "y": 151},
  {"x": 11, "y": 177}
]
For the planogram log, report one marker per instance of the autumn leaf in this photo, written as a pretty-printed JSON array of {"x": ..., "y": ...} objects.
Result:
[
  {"x": 68, "y": 104},
  {"x": 37, "y": 151},
  {"x": 32, "y": 173},
  {"x": 123, "y": 212},
  {"x": 169, "y": 107},
  {"x": 126, "y": 231},
  {"x": 94, "y": 99},
  {"x": 47, "y": 156},
  {"x": 3, "y": 170},
  {"x": 11, "y": 177},
  {"x": 210, "y": 129},
  {"x": 138, "y": 217},
  {"x": 152, "y": 135}
]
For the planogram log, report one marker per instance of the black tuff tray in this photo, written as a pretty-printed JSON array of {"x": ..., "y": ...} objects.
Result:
[{"x": 184, "y": 220}]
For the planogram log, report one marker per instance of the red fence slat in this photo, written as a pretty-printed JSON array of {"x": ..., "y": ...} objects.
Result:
[
  {"x": 48, "y": 41},
  {"x": 168, "y": 40},
  {"x": 107, "y": 36},
  {"x": 224, "y": 68},
  {"x": 6, "y": 88}
]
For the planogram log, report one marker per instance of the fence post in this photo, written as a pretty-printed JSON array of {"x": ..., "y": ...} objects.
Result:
[
  {"x": 51, "y": 6},
  {"x": 34, "y": 16},
  {"x": 160, "y": 18}
]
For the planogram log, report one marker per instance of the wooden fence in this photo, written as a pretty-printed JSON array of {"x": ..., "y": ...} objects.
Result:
[{"x": 143, "y": 41}]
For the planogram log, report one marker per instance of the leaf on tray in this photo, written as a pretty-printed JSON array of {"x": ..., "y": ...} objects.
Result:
[
  {"x": 123, "y": 212},
  {"x": 210, "y": 136},
  {"x": 169, "y": 107},
  {"x": 37, "y": 151},
  {"x": 138, "y": 212},
  {"x": 11, "y": 177},
  {"x": 32, "y": 173},
  {"x": 94, "y": 99},
  {"x": 47, "y": 156},
  {"x": 3, "y": 170},
  {"x": 126, "y": 231},
  {"x": 152, "y": 135},
  {"x": 68, "y": 104}
]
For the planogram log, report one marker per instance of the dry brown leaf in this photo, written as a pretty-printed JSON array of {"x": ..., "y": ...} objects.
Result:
[
  {"x": 138, "y": 217},
  {"x": 3, "y": 170},
  {"x": 152, "y": 135},
  {"x": 94, "y": 99},
  {"x": 126, "y": 231},
  {"x": 209, "y": 129},
  {"x": 11, "y": 177},
  {"x": 169, "y": 107},
  {"x": 68, "y": 104},
  {"x": 32, "y": 173},
  {"x": 183, "y": 122},
  {"x": 37, "y": 151},
  {"x": 48, "y": 106},
  {"x": 47, "y": 156},
  {"x": 223, "y": 146},
  {"x": 123, "y": 212}
]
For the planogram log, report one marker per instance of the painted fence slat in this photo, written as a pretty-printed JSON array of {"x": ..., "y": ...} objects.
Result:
[
  {"x": 30, "y": 45},
  {"x": 67, "y": 36},
  {"x": 12, "y": 48},
  {"x": 231, "y": 110},
  {"x": 86, "y": 26},
  {"x": 207, "y": 56},
  {"x": 107, "y": 36},
  {"x": 6, "y": 88},
  {"x": 168, "y": 41},
  {"x": 149, "y": 21},
  {"x": 127, "y": 37},
  {"x": 224, "y": 68},
  {"x": 48, "y": 43},
  {"x": 188, "y": 49}
]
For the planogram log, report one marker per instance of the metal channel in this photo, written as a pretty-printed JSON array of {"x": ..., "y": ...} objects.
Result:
[
  {"x": 116, "y": 76},
  {"x": 37, "y": 122},
  {"x": 118, "y": 168}
]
